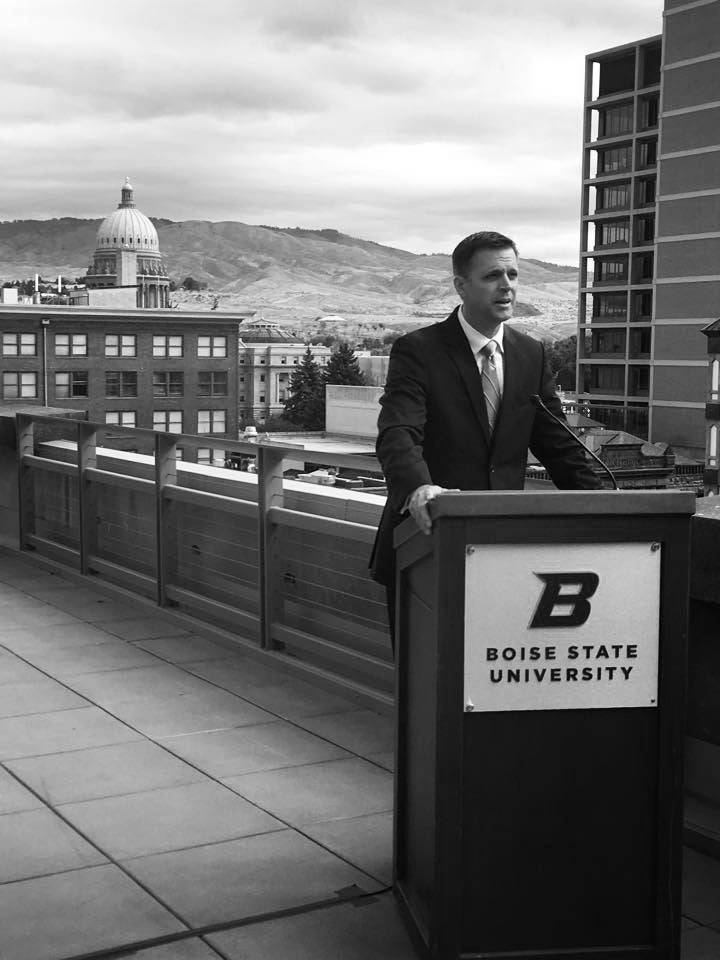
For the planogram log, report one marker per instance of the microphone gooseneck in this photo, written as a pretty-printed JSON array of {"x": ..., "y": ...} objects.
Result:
[{"x": 536, "y": 400}]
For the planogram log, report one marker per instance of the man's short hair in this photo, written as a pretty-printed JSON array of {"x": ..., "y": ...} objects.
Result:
[{"x": 483, "y": 240}]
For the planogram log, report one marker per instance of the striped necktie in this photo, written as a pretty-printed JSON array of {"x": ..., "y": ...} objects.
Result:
[{"x": 490, "y": 382}]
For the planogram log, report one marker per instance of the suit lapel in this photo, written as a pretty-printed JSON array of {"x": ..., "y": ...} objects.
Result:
[{"x": 459, "y": 351}]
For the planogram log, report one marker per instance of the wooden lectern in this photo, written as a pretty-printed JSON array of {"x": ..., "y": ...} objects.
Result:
[{"x": 541, "y": 674}]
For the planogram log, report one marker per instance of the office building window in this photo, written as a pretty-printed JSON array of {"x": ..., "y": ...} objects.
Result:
[
  {"x": 71, "y": 345},
  {"x": 167, "y": 346},
  {"x": 614, "y": 197},
  {"x": 212, "y": 383},
  {"x": 17, "y": 385},
  {"x": 609, "y": 305},
  {"x": 168, "y": 383},
  {"x": 613, "y": 233},
  {"x": 71, "y": 384},
  {"x": 212, "y": 346},
  {"x": 211, "y": 421},
  {"x": 169, "y": 421},
  {"x": 615, "y": 121},
  {"x": 611, "y": 271},
  {"x": 121, "y": 418},
  {"x": 211, "y": 456},
  {"x": 121, "y": 345},
  {"x": 121, "y": 383},
  {"x": 615, "y": 160},
  {"x": 19, "y": 344}
]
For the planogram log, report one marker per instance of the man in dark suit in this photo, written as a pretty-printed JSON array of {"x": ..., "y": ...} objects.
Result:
[{"x": 457, "y": 410}]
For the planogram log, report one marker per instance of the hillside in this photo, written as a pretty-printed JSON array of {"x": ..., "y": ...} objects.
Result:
[{"x": 293, "y": 274}]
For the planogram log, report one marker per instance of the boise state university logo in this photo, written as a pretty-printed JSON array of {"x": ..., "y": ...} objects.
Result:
[{"x": 551, "y": 599}]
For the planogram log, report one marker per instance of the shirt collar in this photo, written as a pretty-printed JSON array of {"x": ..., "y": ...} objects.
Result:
[{"x": 476, "y": 339}]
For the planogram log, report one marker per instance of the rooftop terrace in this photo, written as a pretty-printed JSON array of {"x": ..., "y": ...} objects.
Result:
[{"x": 170, "y": 790}]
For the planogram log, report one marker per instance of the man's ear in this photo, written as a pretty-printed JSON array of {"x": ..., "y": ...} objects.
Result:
[{"x": 459, "y": 283}]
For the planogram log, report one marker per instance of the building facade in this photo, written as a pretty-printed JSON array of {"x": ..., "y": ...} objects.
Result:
[
  {"x": 165, "y": 371},
  {"x": 650, "y": 227},
  {"x": 267, "y": 357}
]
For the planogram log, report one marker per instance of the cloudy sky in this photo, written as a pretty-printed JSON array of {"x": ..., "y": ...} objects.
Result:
[{"x": 408, "y": 122}]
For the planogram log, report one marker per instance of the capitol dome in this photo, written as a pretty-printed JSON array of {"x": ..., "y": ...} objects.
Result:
[
  {"x": 127, "y": 227},
  {"x": 127, "y": 254}
]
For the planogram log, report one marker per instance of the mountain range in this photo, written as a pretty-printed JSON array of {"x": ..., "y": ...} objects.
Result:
[{"x": 293, "y": 275}]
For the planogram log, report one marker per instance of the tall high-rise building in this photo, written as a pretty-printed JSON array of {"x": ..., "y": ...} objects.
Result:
[{"x": 650, "y": 227}]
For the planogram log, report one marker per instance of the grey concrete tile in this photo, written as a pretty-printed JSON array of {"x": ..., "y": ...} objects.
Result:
[
  {"x": 294, "y": 699},
  {"x": 248, "y": 749},
  {"x": 385, "y": 760},
  {"x": 366, "y": 842},
  {"x": 90, "y": 658},
  {"x": 170, "y": 818},
  {"x": 701, "y": 943},
  {"x": 360, "y": 731},
  {"x": 78, "y": 912},
  {"x": 189, "y": 713},
  {"x": 14, "y": 670},
  {"x": 35, "y": 843},
  {"x": 318, "y": 791},
  {"x": 40, "y": 615},
  {"x": 14, "y": 797},
  {"x": 134, "y": 628},
  {"x": 42, "y": 585},
  {"x": 365, "y": 930},
  {"x": 60, "y": 635},
  {"x": 270, "y": 688},
  {"x": 109, "y": 771},
  {"x": 186, "y": 648},
  {"x": 156, "y": 683},
  {"x": 239, "y": 675},
  {"x": 192, "y": 949},
  {"x": 91, "y": 605},
  {"x": 42, "y": 696},
  {"x": 44, "y": 733},
  {"x": 701, "y": 887},
  {"x": 245, "y": 878}
]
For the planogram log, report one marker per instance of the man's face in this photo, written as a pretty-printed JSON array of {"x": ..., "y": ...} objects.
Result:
[{"x": 488, "y": 292}]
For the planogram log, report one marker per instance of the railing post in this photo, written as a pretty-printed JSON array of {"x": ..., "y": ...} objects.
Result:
[
  {"x": 166, "y": 533},
  {"x": 270, "y": 494},
  {"x": 26, "y": 487},
  {"x": 87, "y": 496}
]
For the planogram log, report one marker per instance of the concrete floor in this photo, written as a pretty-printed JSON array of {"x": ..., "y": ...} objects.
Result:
[{"x": 164, "y": 796}]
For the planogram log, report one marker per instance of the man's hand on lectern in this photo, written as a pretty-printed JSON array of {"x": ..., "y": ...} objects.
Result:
[{"x": 418, "y": 505}]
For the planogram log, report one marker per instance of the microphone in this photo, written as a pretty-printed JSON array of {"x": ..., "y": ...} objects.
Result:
[{"x": 537, "y": 402}]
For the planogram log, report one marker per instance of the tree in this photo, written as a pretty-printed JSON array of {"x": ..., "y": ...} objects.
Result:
[
  {"x": 190, "y": 283},
  {"x": 561, "y": 357},
  {"x": 343, "y": 367},
  {"x": 305, "y": 405}
]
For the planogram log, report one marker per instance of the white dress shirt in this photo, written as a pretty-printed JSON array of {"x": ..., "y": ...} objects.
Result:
[{"x": 478, "y": 340}]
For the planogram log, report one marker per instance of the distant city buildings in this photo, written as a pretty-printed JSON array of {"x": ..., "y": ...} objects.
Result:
[
  {"x": 650, "y": 228},
  {"x": 117, "y": 353}
]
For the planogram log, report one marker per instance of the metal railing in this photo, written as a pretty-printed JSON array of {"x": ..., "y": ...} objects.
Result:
[{"x": 279, "y": 565}]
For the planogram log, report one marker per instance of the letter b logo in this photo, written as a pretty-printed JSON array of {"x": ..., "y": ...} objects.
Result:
[{"x": 578, "y": 603}]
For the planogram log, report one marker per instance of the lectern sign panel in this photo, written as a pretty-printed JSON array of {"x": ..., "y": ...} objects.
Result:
[{"x": 561, "y": 626}]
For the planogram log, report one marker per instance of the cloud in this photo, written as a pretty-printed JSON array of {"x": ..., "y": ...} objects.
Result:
[{"x": 401, "y": 122}]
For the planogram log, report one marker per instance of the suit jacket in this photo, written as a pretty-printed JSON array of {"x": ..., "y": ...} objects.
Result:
[{"x": 433, "y": 425}]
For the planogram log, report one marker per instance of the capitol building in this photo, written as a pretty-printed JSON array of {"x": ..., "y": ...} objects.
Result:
[{"x": 127, "y": 255}]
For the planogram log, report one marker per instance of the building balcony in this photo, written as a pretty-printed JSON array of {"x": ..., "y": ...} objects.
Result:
[{"x": 196, "y": 730}]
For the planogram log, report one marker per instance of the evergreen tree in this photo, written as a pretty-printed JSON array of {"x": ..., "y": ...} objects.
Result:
[
  {"x": 305, "y": 405},
  {"x": 343, "y": 367}
]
